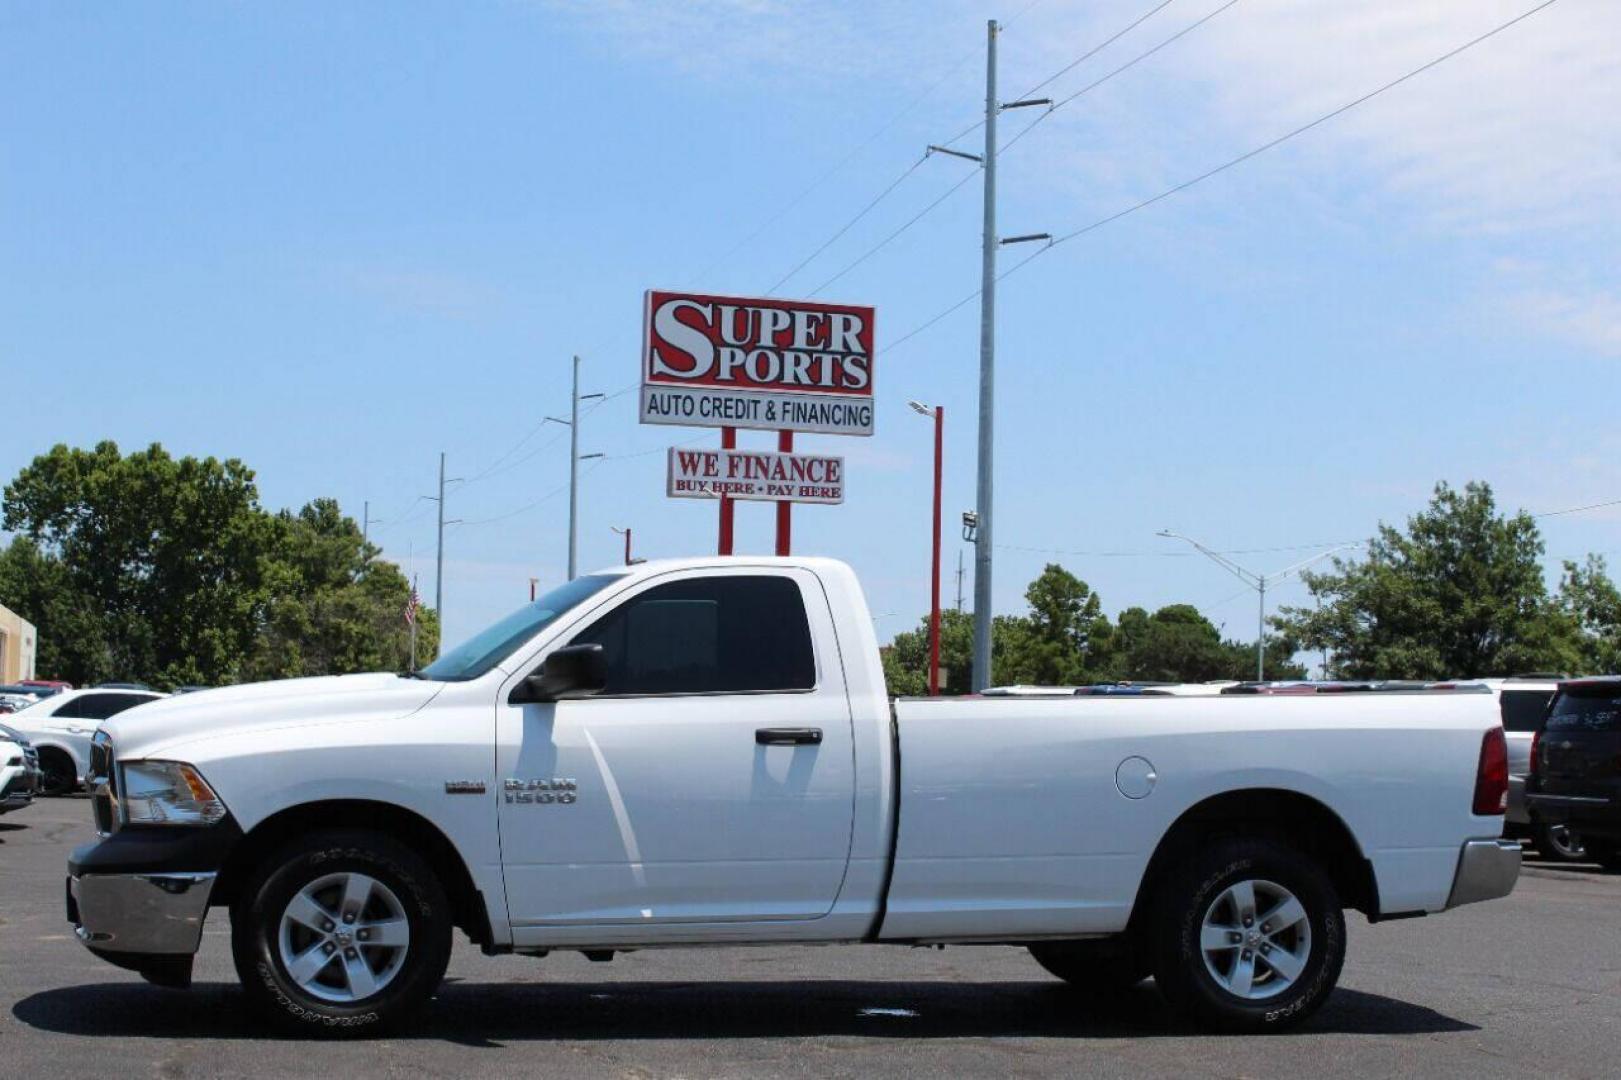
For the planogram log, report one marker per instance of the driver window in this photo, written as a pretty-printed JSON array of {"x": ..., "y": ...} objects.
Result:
[{"x": 708, "y": 635}]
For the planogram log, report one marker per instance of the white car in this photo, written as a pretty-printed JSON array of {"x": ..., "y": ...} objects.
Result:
[
  {"x": 703, "y": 752},
  {"x": 60, "y": 727},
  {"x": 19, "y": 770}
]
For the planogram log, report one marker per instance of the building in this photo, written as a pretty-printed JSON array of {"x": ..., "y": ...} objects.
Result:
[{"x": 17, "y": 637}]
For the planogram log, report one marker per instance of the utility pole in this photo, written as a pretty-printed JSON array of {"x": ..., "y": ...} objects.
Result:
[
  {"x": 959, "y": 581},
  {"x": 574, "y": 460},
  {"x": 625, "y": 532},
  {"x": 989, "y": 242},
  {"x": 1258, "y": 582},
  {"x": 439, "y": 554},
  {"x": 987, "y": 383}
]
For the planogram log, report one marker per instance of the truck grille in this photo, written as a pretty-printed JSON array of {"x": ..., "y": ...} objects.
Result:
[{"x": 103, "y": 784}]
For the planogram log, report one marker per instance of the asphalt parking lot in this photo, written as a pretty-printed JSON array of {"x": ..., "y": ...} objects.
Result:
[{"x": 1528, "y": 986}]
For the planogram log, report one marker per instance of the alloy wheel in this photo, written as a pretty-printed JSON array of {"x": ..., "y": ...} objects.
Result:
[
  {"x": 1255, "y": 939},
  {"x": 344, "y": 937}
]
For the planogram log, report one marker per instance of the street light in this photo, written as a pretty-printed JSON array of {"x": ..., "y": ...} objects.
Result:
[
  {"x": 626, "y": 533},
  {"x": 1258, "y": 582},
  {"x": 939, "y": 414}
]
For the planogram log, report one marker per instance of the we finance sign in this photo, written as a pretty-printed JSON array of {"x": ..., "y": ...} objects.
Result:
[
  {"x": 779, "y": 365},
  {"x": 744, "y": 474}
]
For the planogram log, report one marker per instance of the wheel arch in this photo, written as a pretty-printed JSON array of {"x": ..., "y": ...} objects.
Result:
[
  {"x": 1300, "y": 821},
  {"x": 407, "y": 826}
]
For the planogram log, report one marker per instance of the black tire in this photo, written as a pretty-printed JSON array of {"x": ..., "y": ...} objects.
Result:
[
  {"x": 1558, "y": 843},
  {"x": 58, "y": 775},
  {"x": 1195, "y": 887},
  {"x": 1094, "y": 968},
  {"x": 256, "y": 926},
  {"x": 1606, "y": 853}
]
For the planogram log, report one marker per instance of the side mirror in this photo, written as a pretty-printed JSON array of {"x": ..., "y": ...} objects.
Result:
[{"x": 574, "y": 671}]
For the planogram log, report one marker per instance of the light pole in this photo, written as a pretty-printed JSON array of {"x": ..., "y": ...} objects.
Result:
[
  {"x": 938, "y": 412},
  {"x": 1258, "y": 582},
  {"x": 626, "y": 533}
]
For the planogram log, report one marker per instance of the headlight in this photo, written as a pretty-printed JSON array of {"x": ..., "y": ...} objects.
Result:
[{"x": 167, "y": 793}]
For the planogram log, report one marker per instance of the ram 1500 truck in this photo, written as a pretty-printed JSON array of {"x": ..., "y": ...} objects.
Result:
[{"x": 704, "y": 753}]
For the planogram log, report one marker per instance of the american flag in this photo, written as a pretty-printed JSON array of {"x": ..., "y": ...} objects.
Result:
[{"x": 411, "y": 604}]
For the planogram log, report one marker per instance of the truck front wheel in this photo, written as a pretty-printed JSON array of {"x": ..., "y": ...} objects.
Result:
[
  {"x": 341, "y": 932},
  {"x": 1250, "y": 936}
]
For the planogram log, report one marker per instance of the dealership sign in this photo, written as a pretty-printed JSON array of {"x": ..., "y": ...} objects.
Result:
[
  {"x": 747, "y": 474},
  {"x": 779, "y": 365}
]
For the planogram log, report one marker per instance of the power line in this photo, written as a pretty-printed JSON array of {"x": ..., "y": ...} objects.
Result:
[
  {"x": 1133, "y": 62},
  {"x": 886, "y": 241},
  {"x": 863, "y": 212},
  {"x": 1223, "y": 167},
  {"x": 833, "y": 169},
  {"x": 1073, "y": 64}
]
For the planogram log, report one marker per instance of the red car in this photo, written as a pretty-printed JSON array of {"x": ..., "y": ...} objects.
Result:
[{"x": 55, "y": 686}]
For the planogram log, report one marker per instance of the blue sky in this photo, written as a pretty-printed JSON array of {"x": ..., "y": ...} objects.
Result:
[{"x": 334, "y": 239}]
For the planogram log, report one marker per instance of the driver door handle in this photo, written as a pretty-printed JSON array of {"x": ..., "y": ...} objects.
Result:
[{"x": 788, "y": 736}]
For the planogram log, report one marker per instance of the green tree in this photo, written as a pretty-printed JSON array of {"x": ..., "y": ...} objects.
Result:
[
  {"x": 333, "y": 608},
  {"x": 1589, "y": 599},
  {"x": 167, "y": 571},
  {"x": 166, "y": 553},
  {"x": 1459, "y": 592},
  {"x": 1064, "y": 639},
  {"x": 1178, "y": 644}
]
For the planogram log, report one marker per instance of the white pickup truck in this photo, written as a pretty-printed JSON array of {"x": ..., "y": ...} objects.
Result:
[{"x": 703, "y": 753}]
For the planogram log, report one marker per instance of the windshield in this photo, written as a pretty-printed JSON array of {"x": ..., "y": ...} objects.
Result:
[{"x": 485, "y": 650}]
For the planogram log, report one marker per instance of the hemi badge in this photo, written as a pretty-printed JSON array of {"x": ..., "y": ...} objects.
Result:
[{"x": 464, "y": 787}]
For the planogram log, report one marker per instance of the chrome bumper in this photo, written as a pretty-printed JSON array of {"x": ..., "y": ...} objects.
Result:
[
  {"x": 152, "y": 914},
  {"x": 1487, "y": 869}
]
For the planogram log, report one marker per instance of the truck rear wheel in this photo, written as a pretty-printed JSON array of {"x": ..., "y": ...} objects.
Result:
[
  {"x": 1093, "y": 967},
  {"x": 1250, "y": 936},
  {"x": 342, "y": 932}
]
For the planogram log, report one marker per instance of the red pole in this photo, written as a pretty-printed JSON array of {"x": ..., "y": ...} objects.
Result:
[
  {"x": 934, "y": 578},
  {"x": 728, "y": 441},
  {"x": 785, "y": 509},
  {"x": 627, "y": 545}
]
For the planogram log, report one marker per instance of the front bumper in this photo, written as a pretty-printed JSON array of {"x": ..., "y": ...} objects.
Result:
[
  {"x": 17, "y": 786},
  {"x": 1487, "y": 870},
  {"x": 150, "y": 914},
  {"x": 138, "y": 898}
]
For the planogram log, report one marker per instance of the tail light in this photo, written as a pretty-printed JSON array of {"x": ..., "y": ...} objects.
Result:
[
  {"x": 1536, "y": 745},
  {"x": 1491, "y": 778}
]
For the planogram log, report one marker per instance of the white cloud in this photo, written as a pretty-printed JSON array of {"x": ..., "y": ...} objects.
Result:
[
  {"x": 1517, "y": 132},
  {"x": 1591, "y": 320}
]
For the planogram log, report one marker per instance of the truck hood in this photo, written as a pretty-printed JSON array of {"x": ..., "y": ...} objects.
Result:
[{"x": 157, "y": 726}]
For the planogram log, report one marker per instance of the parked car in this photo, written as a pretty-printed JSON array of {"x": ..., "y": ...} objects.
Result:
[
  {"x": 122, "y": 686},
  {"x": 1575, "y": 772},
  {"x": 19, "y": 770},
  {"x": 55, "y": 686},
  {"x": 1523, "y": 702},
  {"x": 703, "y": 752},
  {"x": 10, "y": 703},
  {"x": 60, "y": 727}
]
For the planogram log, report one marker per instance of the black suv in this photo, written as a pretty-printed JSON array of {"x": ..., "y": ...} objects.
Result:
[{"x": 1575, "y": 776}]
